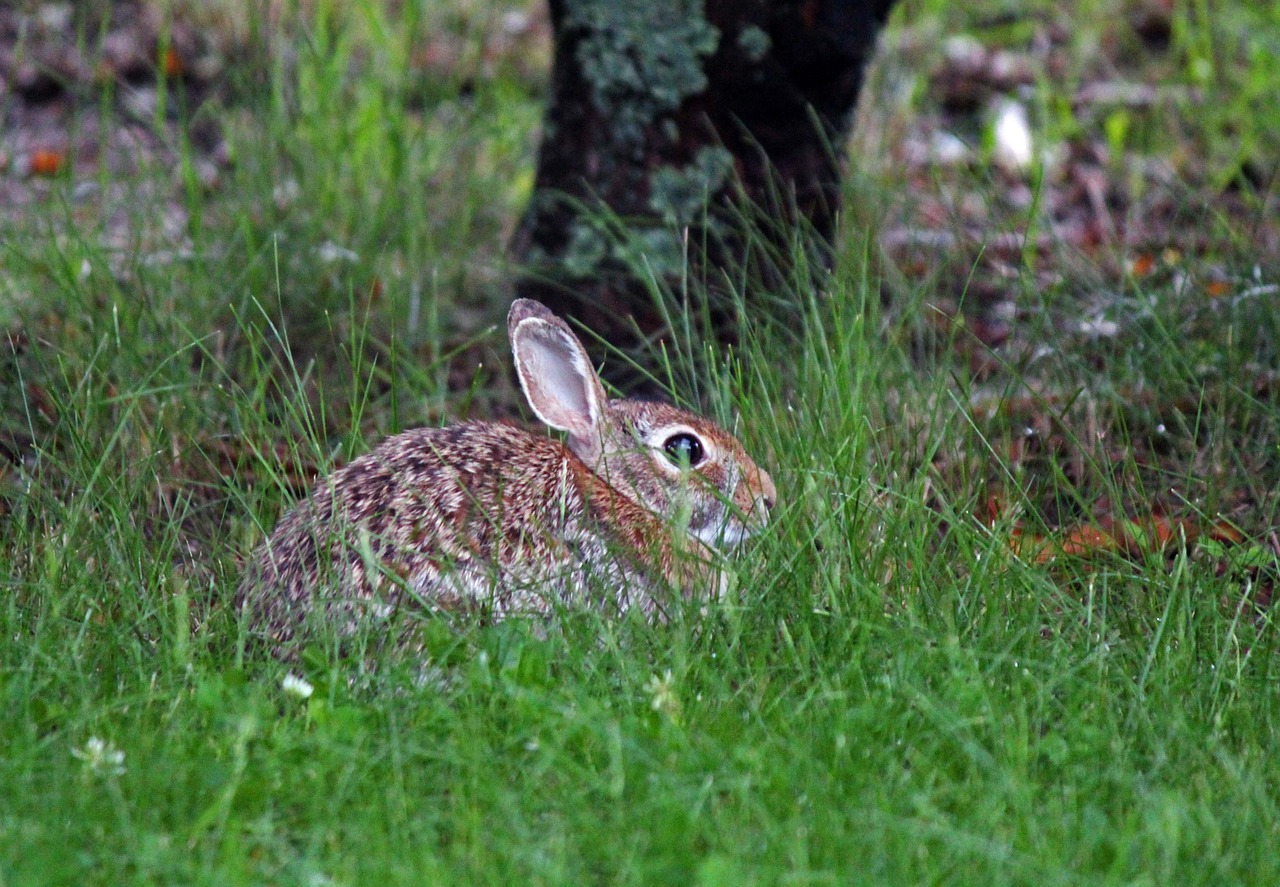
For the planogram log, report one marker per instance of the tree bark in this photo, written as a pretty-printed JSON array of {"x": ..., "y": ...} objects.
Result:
[{"x": 684, "y": 138}]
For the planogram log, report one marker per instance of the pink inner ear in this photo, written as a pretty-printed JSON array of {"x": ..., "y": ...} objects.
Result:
[{"x": 557, "y": 377}]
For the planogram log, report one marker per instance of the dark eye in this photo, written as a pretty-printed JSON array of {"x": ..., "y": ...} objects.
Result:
[{"x": 683, "y": 449}]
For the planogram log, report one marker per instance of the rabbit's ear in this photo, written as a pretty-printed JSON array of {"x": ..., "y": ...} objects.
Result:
[{"x": 557, "y": 376}]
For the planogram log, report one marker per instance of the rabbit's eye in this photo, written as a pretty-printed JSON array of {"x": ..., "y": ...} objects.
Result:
[{"x": 683, "y": 449}]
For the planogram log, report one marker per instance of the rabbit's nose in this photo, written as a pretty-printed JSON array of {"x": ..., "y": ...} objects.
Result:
[
  {"x": 768, "y": 492},
  {"x": 764, "y": 494},
  {"x": 755, "y": 495}
]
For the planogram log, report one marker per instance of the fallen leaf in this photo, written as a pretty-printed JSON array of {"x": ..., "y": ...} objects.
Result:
[
  {"x": 172, "y": 63},
  {"x": 1142, "y": 264},
  {"x": 1083, "y": 541},
  {"x": 47, "y": 162},
  {"x": 1153, "y": 533},
  {"x": 1225, "y": 532}
]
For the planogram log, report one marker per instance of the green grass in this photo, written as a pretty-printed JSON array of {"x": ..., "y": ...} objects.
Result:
[{"x": 897, "y": 691}]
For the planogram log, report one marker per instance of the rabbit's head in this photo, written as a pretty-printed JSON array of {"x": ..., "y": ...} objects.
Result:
[{"x": 684, "y": 468}]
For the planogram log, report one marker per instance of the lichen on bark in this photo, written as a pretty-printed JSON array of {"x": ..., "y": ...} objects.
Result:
[
  {"x": 641, "y": 60},
  {"x": 679, "y": 195}
]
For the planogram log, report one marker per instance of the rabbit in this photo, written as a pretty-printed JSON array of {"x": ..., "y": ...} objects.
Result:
[{"x": 487, "y": 516}]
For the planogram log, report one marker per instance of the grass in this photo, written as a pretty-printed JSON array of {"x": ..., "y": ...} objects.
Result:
[{"x": 900, "y": 690}]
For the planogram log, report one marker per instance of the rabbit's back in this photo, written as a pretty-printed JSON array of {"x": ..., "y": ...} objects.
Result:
[{"x": 476, "y": 515}]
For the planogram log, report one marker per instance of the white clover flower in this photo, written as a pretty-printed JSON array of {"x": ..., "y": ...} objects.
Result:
[
  {"x": 296, "y": 686},
  {"x": 100, "y": 757},
  {"x": 662, "y": 689}
]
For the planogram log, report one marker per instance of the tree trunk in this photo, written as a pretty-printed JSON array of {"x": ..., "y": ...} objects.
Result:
[{"x": 683, "y": 137}]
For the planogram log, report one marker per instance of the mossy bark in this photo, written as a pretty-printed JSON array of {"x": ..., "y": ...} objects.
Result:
[{"x": 674, "y": 128}]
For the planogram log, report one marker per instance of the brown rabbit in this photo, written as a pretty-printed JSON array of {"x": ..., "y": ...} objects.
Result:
[{"x": 489, "y": 516}]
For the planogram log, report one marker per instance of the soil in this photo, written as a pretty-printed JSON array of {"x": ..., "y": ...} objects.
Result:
[{"x": 97, "y": 98}]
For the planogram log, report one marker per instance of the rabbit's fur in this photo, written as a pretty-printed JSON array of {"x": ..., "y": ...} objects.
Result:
[{"x": 487, "y": 515}]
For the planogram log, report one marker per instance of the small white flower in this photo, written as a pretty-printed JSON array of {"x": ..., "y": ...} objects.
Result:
[
  {"x": 100, "y": 757},
  {"x": 296, "y": 686},
  {"x": 1012, "y": 132},
  {"x": 662, "y": 689},
  {"x": 331, "y": 253},
  {"x": 1099, "y": 328},
  {"x": 286, "y": 193}
]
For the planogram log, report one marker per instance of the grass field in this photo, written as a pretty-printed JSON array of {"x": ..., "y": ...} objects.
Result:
[{"x": 1011, "y": 624}]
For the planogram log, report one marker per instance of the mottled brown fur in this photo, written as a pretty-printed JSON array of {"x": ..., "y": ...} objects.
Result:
[{"x": 490, "y": 516}]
